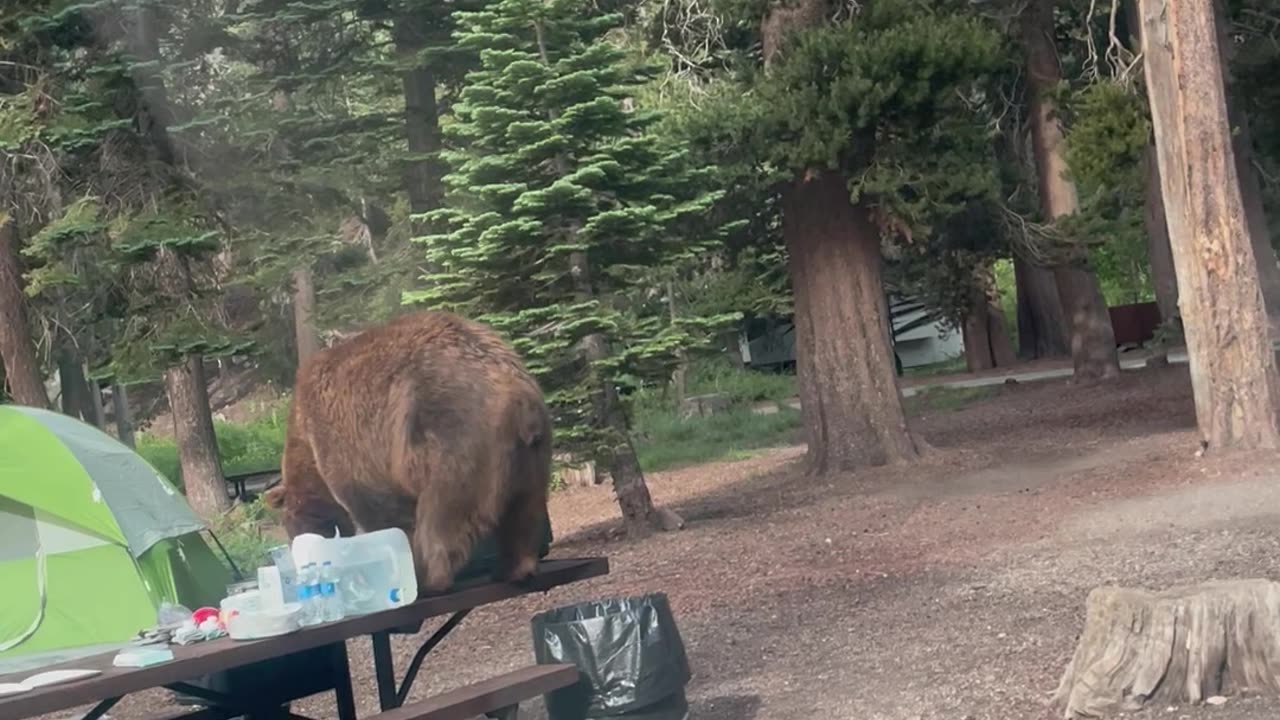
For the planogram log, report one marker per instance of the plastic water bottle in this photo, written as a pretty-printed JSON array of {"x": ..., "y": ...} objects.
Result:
[
  {"x": 330, "y": 594},
  {"x": 309, "y": 595}
]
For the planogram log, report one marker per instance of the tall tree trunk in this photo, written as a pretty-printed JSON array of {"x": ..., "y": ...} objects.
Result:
[
  {"x": 123, "y": 416},
  {"x": 307, "y": 337},
  {"x": 1164, "y": 278},
  {"x": 1233, "y": 368},
  {"x": 1250, "y": 185},
  {"x": 76, "y": 400},
  {"x": 17, "y": 347},
  {"x": 96, "y": 408},
  {"x": 977, "y": 338},
  {"x": 679, "y": 378},
  {"x": 1093, "y": 343},
  {"x": 849, "y": 394},
  {"x": 202, "y": 478},
  {"x": 638, "y": 510},
  {"x": 1163, "y": 275},
  {"x": 185, "y": 383},
  {"x": 421, "y": 115},
  {"x": 986, "y": 340},
  {"x": 629, "y": 486},
  {"x": 848, "y": 389},
  {"x": 1042, "y": 328},
  {"x": 1001, "y": 346}
]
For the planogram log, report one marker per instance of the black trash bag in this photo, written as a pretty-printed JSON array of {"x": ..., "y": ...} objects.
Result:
[{"x": 630, "y": 658}]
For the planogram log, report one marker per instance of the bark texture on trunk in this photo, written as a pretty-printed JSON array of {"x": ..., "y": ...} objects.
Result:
[
  {"x": 986, "y": 340},
  {"x": 1093, "y": 345},
  {"x": 849, "y": 392},
  {"x": 1233, "y": 370},
  {"x": 1164, "y": 277},
  {"x": 1042, "y": 328},
  {"x": 22, "y": 375},
  {"x": 1185, "y": 645},
  {"x": 1250, "y": 185},
  {"x": 306, "y": 336},
  {"x": 421, "y": 116},
  {"x": 76, "y": 400},
  {"x": 202, "y": 478},
  {"x": 977, "y": 340}
]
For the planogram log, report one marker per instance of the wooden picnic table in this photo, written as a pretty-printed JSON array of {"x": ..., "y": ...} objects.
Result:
[{"x": 191, "y": 662}]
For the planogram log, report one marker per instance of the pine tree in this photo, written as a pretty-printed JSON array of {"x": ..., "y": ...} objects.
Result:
[{"x": 558, "y": 202}]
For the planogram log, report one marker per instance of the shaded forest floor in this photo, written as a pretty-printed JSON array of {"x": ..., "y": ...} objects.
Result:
[{"x": 951, "y": 588}]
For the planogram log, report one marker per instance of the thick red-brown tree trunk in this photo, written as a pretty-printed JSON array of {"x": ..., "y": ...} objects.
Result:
[
  {"x": 1250, "y": 185},
  {"x": 1042, "y": 328},
  {"x": 986, "y": 340},
  {"x": 848, "y": 389},
  {"x": 1233, "y": 369},
  {"x": 1093, "y": 344},
  {"x": 202, "y": 477},
  {"x": 1164, "y": 278},
  {"x": 22, "y": 375}
]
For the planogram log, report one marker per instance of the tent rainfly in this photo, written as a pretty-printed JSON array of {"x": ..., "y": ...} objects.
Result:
[{"x": 92, "y": 540}]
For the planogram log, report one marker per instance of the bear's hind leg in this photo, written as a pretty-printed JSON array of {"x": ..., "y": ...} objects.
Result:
[
  {"x": 519, "y": 536},
  {"x": 443, "y": 539}
]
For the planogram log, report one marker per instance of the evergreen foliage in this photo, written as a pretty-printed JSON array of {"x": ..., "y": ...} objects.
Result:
[{"x": 563, "y": 209}]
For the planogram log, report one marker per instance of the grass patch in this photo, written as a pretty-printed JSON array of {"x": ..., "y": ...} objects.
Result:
[
  {"x": 948, "y": 398},
  {"x": 944, "y": 367},
  {"x": 666, "y": 441}
]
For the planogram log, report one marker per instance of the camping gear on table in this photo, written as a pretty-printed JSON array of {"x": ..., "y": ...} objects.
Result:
[
  {"x": 630, "y": 657},
  {"x": 81, "y": 513},
  {"x": 376, "y": 568}
]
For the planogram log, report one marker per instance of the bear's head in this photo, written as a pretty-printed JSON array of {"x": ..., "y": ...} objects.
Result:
[{"x": 305, "y": 513}]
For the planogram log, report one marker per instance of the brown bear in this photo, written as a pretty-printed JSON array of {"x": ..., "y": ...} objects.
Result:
[{"x": 430, "y": 423}]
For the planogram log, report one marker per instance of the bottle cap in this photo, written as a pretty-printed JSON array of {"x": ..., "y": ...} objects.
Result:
[{"x": 394, "y": 595}]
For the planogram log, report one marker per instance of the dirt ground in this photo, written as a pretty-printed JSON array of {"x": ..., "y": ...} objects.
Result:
[{"x": 950, "y": 589}]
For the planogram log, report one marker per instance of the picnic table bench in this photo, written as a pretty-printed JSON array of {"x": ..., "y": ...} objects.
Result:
[
  {"x": 246, "y": 486},
  {"x": 498, "y": 695}
]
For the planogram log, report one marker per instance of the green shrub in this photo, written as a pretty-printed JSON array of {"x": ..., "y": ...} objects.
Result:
[
  {"x": 251, "y": 447},
  {"x": 245, "y": 533}
]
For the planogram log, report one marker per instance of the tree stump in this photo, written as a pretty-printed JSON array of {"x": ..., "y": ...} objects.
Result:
[
  {"x": 1184, "y": 645},
  {"x": 704, "y": 405}
]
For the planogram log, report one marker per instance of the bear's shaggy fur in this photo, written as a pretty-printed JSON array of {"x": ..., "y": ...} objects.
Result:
[{"x": 430, "y": 423}]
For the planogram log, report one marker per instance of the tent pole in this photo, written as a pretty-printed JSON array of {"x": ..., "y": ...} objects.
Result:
[{"x": 235, "y": 570}]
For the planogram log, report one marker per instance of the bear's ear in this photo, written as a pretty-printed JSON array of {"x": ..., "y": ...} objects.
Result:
[{"x": 274, "y": 498}]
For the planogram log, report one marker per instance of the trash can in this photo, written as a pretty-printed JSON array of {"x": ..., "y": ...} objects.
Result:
[{"x": 630, "y": 657}]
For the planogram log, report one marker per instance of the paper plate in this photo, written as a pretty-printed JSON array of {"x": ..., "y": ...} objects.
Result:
[{"x": 53, "y": 677}]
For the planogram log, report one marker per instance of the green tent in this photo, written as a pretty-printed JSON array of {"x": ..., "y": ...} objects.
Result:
[{"x": 92, "y": 540}]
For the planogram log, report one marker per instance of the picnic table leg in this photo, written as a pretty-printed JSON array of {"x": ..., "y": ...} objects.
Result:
[
  {"x": 101, "y": 709},
  {"x": 344, "y": 698},
  {"x": 384, "y": 669},
  {"x": 415, "y": 665}
]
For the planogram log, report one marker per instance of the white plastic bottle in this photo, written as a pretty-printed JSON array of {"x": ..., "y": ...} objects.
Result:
[
  {"x": 377, "y": 570},
  {"x": 330, "y": 594}
]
